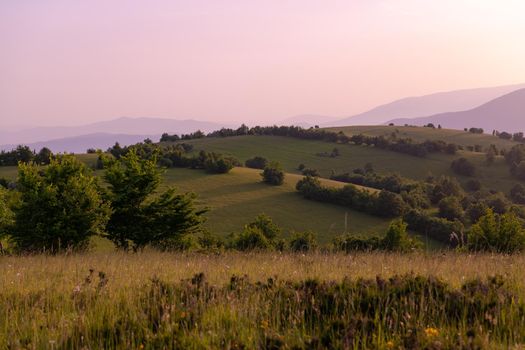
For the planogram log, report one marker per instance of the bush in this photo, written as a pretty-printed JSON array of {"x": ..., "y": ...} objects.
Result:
[
  {"x": 450, "y": 208},
  {"x": 256, "y": 163},
  {"x": 517, "y": 194},
  {"x": 264, "y": 223},
  {"x": 445, "y": 187},
  {"x": 498, "y": 203},
  {"x": 473, "y": 185},
  {"x": 476, "y": 130},
  {"x": 165, "y": 162},
  {"x": 273, "y": 174},
  {"x": 311, "y": 172},
  {"x": 497, "y": 233},
  {"x": 251, "y": 238},
  {"x": 476, "y": 210},
  {"x": 303, "y": 242},
  {"x": 217, "y": 164},
  {"x": 6, "y": 214},
  {"x": 389, "y": 204},
  {"x": 349, "y": 243},
  {"x": 397, "y": 238},
  {"x": 60, "y": 207},
  {"x": 441, "y": 230},
  {"x": 451, "y": 148},
  {"x": 463, "y": 166},
  {"x": 260, "y": 234},
  {"x": 44, "y": 156}
]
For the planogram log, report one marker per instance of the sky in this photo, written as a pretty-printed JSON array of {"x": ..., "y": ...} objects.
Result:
[{"x": 70, "y": 62}]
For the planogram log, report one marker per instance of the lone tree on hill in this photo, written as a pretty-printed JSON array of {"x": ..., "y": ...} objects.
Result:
[
  {"x": 60, "y": 207},
  {"x": 139, "y": 218},
  {"x": 273, "y": 174}
]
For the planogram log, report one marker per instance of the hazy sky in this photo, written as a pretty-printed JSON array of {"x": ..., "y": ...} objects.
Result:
[{"x": 75, "y": 61}]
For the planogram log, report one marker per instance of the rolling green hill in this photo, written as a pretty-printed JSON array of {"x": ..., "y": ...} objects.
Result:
[
  {"x": 234, "y": 199},
  {"x": 290, "y": 152},
  {"x": 237, "y": 197},
  {"x": 421, "y": 134}
]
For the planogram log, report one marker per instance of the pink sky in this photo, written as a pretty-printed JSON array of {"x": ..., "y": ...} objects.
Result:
[{"x": 75, "y": 61}]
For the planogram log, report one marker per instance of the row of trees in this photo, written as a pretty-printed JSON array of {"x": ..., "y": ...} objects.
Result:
[
  {"x": 402, "y": 145},
  {"x": 179, "y": 155},
  {"x": 24, "y": 154},
  {"x": 384, "y": 203},
  {"x": 62, "y": 206}
]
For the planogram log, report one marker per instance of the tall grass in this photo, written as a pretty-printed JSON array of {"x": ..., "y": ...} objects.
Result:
[{"x": 265, "y": 300}]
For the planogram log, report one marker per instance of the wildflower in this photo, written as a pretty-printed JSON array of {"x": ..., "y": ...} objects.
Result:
[
  {"x": 141, "y": 346},
  {"x": 183, "y": 314},
  {"x": 264, "y": 324},
  {"x": 390, "y": 344},
  {"x": 431, "y": 332}
]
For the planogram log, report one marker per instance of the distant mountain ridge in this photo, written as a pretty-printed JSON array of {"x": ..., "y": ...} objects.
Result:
[
  {"x": 505, "y": 113},
  {"x": 80, "y": 144},
  {"x": 441, "y": 102},
  {"x": 121, "y": 126},
  {"x": 307, "y": 120}
]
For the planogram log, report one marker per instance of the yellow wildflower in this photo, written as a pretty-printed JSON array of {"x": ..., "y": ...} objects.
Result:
[
  {"x": 431, "y": 332},
  {"x": 390, "y": 344}
]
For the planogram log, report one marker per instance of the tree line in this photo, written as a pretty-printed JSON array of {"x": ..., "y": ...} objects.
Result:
[
  {"x": 180, "y": 155},
  {"x": 401, "y": 145},
  {"x": 24, "y": 154}
]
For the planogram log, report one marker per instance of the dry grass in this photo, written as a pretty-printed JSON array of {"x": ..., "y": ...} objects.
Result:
[
  {"x": 130, "y": 270},
  {"x": 147, "y": 300}
]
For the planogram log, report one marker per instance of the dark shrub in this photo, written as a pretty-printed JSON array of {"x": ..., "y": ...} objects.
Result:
[
  {"x": 256, "y": 162},
  {"x": 473, "y": 185},
  {"x": 303, "y": 242},
  {"x": 450, "y": 208},
  {"x": 273, "y": 174},
  {"x": 517, "y": 194},
  {"x": 463, "y": 166}
]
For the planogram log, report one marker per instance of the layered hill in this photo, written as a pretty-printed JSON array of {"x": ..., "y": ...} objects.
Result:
[
  {"x": 79, "y": 144},
  {"x": 120, "y": 126},
  {"x": 505, "y": 113},
  {"x": 413, "y": 107}
]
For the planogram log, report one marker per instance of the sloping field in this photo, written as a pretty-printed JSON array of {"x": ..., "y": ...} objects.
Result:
[
  {"x": 290, "y": 152},
  {"x": 236, "y": 198},
  {"x": 421, "y": 134}
]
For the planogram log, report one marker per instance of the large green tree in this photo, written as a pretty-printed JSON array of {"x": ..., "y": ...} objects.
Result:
[
  {"x": 60, "y": 206},
  {"x": 6, "y": 215},
  {"x": 497, "y": 233},
  {"x": 140, "y": 216}
]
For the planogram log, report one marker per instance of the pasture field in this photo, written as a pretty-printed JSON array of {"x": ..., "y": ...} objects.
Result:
[
  {"x": 237, "y": 197},
  {"x": 421, "y": 134},
  {"x": 153, "y": 300},
  {"x": 291, "y": 152}
]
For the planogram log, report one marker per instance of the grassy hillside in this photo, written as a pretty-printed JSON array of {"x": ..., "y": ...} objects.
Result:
[
  {"x": 237, "y": 197},
  {"x": 290, "y": 152},
  {"x": 421, "y": 134},
  {"x": 234, "y": 199}
]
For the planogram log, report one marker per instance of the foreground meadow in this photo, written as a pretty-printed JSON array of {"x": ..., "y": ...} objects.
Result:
[{"x": 262, "y": 300}]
